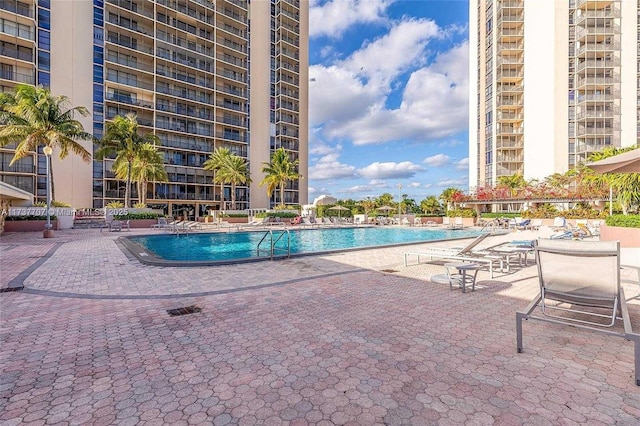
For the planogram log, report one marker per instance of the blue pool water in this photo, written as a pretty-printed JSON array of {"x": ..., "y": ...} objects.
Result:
[{"x": 238, "y": 246}]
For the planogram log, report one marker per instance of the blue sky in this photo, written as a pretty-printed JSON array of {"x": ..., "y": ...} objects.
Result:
[{"x": 388, "y": 97}]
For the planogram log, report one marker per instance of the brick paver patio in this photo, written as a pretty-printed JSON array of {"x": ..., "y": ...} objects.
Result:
[{"x": 314, "y": 340}]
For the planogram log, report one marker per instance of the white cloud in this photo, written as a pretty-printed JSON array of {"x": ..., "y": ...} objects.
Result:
[
  {"x": 335, "y": 16},
  {"x": 463, "y": 164},
  {"x": 328, "y": 166},
  {"x": 348, "y": 98},
  {"x": 320, "y": 148},
  {"x": 434, "y": 105},
  {"x": 437, "y": 160},
  {"x": 377, "y": 170},
  {"x": 373, "y": 187},
  {"x": 346, "y": 90}
]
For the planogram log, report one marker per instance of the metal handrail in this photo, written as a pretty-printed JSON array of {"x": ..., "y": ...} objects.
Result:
[{"x": 272, "y": 243}]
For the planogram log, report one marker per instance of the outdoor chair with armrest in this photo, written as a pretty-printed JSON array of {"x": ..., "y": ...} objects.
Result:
[{"x": 580, "y": 286}]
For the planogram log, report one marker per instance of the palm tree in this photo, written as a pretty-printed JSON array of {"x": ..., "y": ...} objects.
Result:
[
  {"x": 31, "y": 116},
  {"x": 121, "y": 138},
  {"x": 513, "y": 182},
  {"x": 448, "y": 195},
  {"x": 367, "y": 205},
  {"x": 430, "y": 205},
  {"x": 147, "y": 166},
  {"x": 217, "y": 160},
  {"x": 234, "y": 171},
  {"x": 278, "y": 172},
  {"x": 384, "y": 200}
]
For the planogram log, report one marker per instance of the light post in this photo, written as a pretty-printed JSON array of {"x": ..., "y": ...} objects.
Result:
[
  {"x": 48, "y": 233},
  {"x": 399, "y": 200}
]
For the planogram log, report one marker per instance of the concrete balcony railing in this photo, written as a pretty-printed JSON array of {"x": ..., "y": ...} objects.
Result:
[
  {"x": 612, "y": 113},
  {"x": 510, "y": 60},
  {"x": 597, "y": 47},
  {"x": 596, "y": 81},
  {"x": 509, "y": 89},
  {"x": 502, "y": 130},
  {"x": 610, "y": 131},
  {"x": 598, "y": 64},
  {"x": 581, "y": 33},
  {"x": 134, "y": 7},
  {"x": 17, "y": 77}
]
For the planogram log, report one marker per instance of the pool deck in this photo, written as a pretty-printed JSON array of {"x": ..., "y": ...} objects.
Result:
[{"x": 348, "y": 338}]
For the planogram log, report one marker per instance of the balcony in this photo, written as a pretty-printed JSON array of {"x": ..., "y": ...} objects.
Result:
[
  {"x": 133, "y": 7},
  {"x": 17, "y": 168},
  {"x": 582, "y": 33},
  {"x": 128, "y": 61},
  {"x": 516, "y": 18},
  {"x": 510, "y": 46},
  {"x": 232, "y": 60},
  {"x": 288, "y": 14},
  {"x": 203, "y": 17},
  {"x": 596, "y": 81},
  {"x": 609, "y": 113},
  {"x": 129, "y": 43},
  {"x": 509, "y": 116},
  {"x": 596, "y": 131},
  {"x": 18, "y": 8},
  {"x": 233, "y": 45},
  {"x": 15, "y": 29},
  {"x": 512, "y": 32},
  {"x": 509, "y": 89},
  {"x": 12, "y": 51},
  {"x": 17, "y": 77},
  {"x": 127, "y": 24},
  {"x": 508, "y": 101},
  {"x": 233, "y": 15},
  {"x": 509, "y": 60},
  {"x": 597, "y": 47},
  {"x": 597, "y": 63},
  {"x": 505, "y": 130}
]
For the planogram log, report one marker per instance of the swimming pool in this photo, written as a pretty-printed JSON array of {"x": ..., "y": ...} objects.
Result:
[{"x": 233, "y": 247}]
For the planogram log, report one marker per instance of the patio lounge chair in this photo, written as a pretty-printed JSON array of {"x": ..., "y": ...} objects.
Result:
[
  {"x": 465, "y": 253},
  {"x": 580, "y": 286}
]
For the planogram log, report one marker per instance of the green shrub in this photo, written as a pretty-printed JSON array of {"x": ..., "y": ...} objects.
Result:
[
  {"x": 494, "y": 215},
  {"x": 133, "y": 216},
  {"x": 284, "y": 215},
  {"x": 628, "y": 221},
  {"x": 55, "y": 203},
  {"x": 115, "y": 205},
  {"x": 28, "y": 217},
  {"x": 276, "y": 214},
  {"x": 40, "y": 204},
  {"x": 234, "y": 215},
  {"x": 461, "y": 213},
  {"x": 139, "y": 206}
]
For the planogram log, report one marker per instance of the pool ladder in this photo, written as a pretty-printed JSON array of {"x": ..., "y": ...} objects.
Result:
[{"x": 272, "y": 240}]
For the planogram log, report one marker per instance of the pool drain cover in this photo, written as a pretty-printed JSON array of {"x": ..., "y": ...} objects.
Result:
[
  {"x": 391, "y": 271},
  {"x": 184, "y": 311}
]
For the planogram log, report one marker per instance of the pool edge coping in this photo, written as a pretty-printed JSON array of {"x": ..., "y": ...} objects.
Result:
[{"x": 147, "y": 257}]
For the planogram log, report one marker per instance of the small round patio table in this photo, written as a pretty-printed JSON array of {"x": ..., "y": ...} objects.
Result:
[{"x": 462, "y": 269}]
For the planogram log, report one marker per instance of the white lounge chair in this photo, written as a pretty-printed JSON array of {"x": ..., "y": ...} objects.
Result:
[
  {"x": 580, "y": 286},
  {"x": 465, "y": 253}
]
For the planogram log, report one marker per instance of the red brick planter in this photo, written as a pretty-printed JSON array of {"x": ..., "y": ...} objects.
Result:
[
  {"x": 28, "y": 225},
  {"x": 628, "y": 237}
]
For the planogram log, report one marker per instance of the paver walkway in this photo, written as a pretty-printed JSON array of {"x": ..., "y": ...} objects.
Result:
[{"x": 312, "y": 340}]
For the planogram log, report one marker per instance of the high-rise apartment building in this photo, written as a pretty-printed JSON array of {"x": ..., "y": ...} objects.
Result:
[
  {"x": 550, "y": 82},
  {"x": 200, "y": 74}
]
